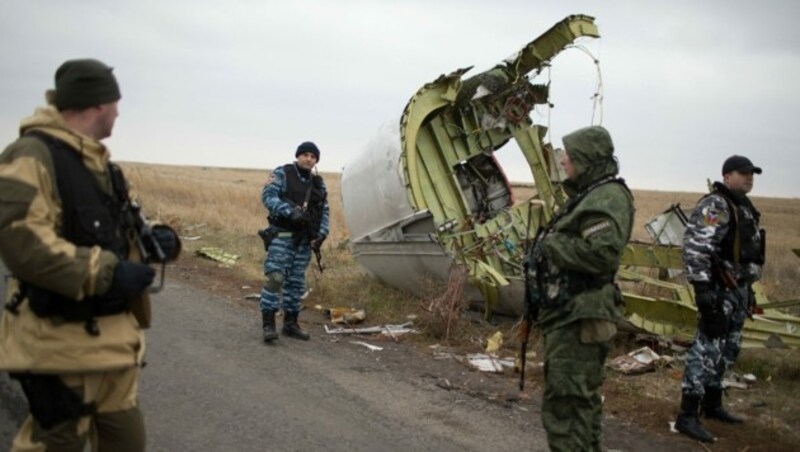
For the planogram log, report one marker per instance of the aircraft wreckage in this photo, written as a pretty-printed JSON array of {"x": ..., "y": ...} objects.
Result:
[{"x": 427, "y": 194}]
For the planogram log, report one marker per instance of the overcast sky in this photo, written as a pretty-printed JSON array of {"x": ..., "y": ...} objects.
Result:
[{"x": 241, "y": 83}]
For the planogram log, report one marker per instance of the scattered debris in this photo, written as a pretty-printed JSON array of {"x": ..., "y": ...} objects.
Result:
[
  {"x": 738, "y": 381},
  {"x": 672, "y": 427},
  {"x": 733, "y": 384},
  {"x": 489, "y": 363},
  {"x": 216, "y": 254},
  {"x": 374, "y": 348},
  {"x": 494, "y": 342},
  {"x": 444, "y": 383},
  {"x": 253, "y": 296},
  {"x": 388, "y": 330},
  {"x": 442, "y": 352},
  {"x": 638, "y": 361},
  {"x": 345, "y": 315},
  {"x": 191, "y": 238}
]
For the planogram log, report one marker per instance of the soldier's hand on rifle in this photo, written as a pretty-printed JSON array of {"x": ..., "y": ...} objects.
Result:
[
  {"x": 316, "y": 242},
  {"x": 713, "y": 321},
  {"x": 298, "y": 216},
  {"x": 168, "y": 240},
  {"x": 131, "y": 279}
]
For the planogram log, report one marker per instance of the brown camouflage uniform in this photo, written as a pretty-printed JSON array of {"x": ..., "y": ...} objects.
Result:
[{"x": 102, "y": 369}]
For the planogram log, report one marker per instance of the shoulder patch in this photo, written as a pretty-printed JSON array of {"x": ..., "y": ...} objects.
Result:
[
  {"x": 595, "y": 228},
  {"x": 713, "y": 216}
]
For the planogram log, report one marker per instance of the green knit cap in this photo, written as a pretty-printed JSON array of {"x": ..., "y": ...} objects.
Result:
[{"x": 84, "y": 83}]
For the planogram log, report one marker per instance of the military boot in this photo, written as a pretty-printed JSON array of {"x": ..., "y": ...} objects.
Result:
[
  {"x": 688, "y": 423},
  {"x": 268, "y": 325},
  {"x": 712, "y": 407},
  {"x": 291, "y": 328}
]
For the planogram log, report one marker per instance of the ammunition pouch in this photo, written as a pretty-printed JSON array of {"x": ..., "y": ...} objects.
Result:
[
  {"x": 50, "y": 400},
  {"x": 267, "y": 236},
  {"x": 565, "y": 285}
]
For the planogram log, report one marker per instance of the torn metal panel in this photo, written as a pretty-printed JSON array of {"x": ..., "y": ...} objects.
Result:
[{"x": 427, "y": 192}]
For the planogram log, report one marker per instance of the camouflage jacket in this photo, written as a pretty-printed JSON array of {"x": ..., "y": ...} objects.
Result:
[
  {"x": 708, "y": 234},
  {"x": 33, "y": 250},
  {"x": 581, "y": 250}
]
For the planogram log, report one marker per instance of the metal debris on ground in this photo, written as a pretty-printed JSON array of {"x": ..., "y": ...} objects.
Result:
[
  {"x": 345, "y": 315},
  {"x": 217, "y": 254},
  {"x": 494, "y": 342},
  {"x": 738, "y": 381},
  {"x": 191, "y": 238},
  {"x": 489, "y": 363},
  {"x": 638, "y": 361},
  {"x": 374, "y": 348},
  {"x": 386, "y": 330}
]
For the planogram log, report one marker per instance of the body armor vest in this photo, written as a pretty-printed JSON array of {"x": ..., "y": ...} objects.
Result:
[
  {"x": 743, "y": 233},
  {"x": 89, "y": 217},
  {"x": 297, "y": 193}
]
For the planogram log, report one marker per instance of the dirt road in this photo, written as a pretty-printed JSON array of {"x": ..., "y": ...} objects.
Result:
[{"x": 210, "y": 384}]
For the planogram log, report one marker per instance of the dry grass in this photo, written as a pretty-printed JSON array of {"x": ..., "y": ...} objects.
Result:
[{"x": 223, "y": 207}]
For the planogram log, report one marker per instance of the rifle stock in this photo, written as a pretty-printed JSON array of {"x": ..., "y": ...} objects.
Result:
[
  {"x": 524, "y": 333},
  {"x": 723, "y": 275},
  {"x": 318, "y": 256}
]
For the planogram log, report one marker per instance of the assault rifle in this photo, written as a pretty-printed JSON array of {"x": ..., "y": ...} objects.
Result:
[
  {"x": 722, "y": 274},
  {"x": 525, "y": 327},
  {"x": 149, "y": 248},
  {"x": 318, "y": 255},
  {"x": 531, "y": 309},
  {"x": 728, "y": 281}
]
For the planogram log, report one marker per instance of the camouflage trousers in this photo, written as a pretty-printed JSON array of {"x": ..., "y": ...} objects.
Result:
[
  {"x": 285, "y": 269},
  {"x": 572, "y": 409},
  {"x": 708, "y": 359},
  {"x": 118, "y": 424}
]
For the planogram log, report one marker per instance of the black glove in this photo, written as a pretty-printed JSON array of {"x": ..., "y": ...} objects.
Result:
[
  {"x": 713, "y": 321},
  {"x": 316, "y": 243},
  {"x": 168, "y": 240},
  {"x": 130, "y": 280},
  {"x": 298, "y": 216}
]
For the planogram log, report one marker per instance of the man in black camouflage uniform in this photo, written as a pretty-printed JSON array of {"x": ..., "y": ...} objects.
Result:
[{"x": 723, "y": 252}]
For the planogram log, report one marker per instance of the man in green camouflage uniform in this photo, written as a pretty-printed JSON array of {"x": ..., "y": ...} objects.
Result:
[
  {"x": 72, "y": 329},
  {"x": 573, "y": 264},
  {"x": 723, "y": 251}
]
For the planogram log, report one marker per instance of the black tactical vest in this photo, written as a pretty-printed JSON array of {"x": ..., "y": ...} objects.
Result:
[
  {"x": 743, "y": 227},
  {"x": 90, "y": 217},
  {"x": 297, "y": 190}
]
